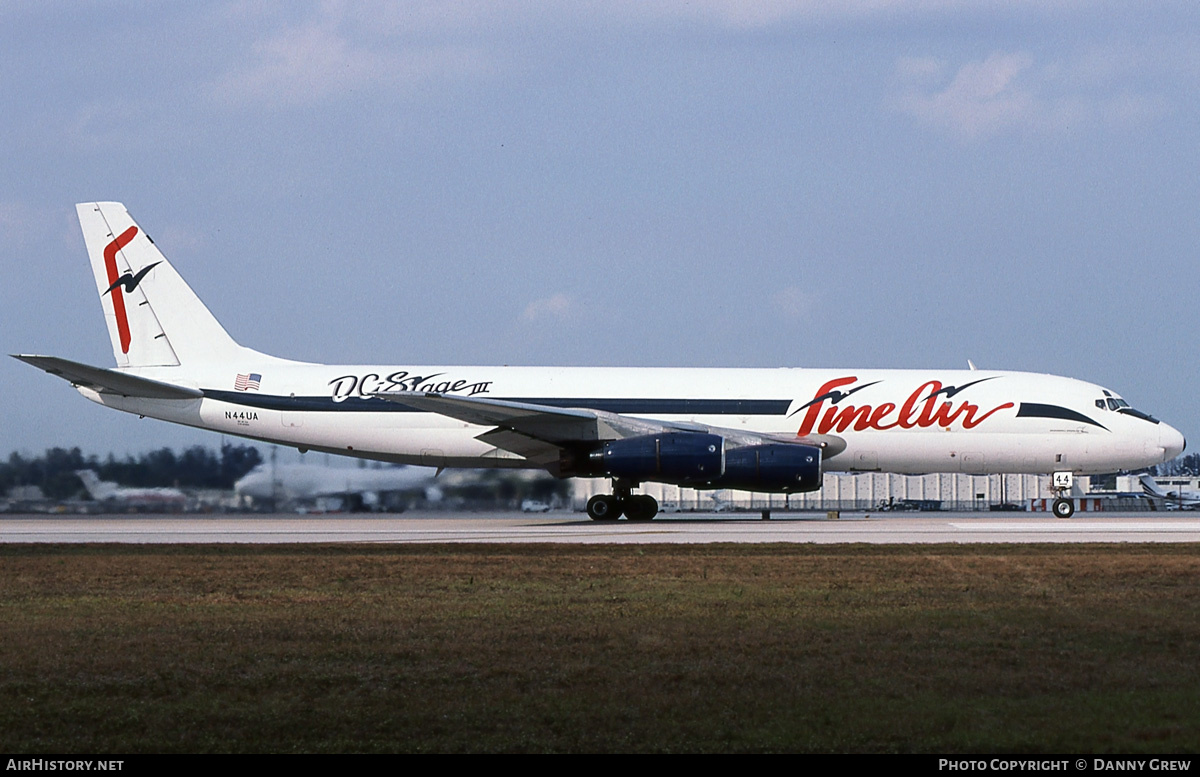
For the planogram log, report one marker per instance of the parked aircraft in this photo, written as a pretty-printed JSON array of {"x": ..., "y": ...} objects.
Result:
[
  {"x": 355, "y": 488},
  {"x": 1182, "y": 498},
  {"x": 767, "y": 430},
  {"x": 161, "y": 498}
]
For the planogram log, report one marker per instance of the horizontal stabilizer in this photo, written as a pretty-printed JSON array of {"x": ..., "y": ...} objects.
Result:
[{"x": 108, "y": 381}]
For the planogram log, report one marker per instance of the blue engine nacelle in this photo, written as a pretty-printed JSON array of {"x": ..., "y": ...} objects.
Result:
[
  {"x": 690, "y": 458},
  {"x": 701, "y": 461},
  {"x": 781, "y": 468}
]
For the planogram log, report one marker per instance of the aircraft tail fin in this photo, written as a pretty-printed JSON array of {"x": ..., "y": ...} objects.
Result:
[
  {"x": 1151, "y": 488},
  {"x": 97, "y": 489},
  {"x": 154, "y": 318}
]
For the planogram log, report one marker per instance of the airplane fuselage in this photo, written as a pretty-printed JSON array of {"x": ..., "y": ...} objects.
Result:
[{"x": 904, "y": 421}]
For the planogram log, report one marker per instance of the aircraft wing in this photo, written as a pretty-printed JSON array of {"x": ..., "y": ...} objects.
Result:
[
  {"x": 557, "y": 424},
  {"x": 542, "y": 433},
  {"x": 108, "y": 381}
]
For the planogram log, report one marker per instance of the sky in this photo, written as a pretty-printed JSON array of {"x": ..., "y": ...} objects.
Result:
[{"x": 703, "y": 183}]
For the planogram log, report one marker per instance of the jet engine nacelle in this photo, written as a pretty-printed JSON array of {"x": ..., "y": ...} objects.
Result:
[
  {"x": 781, "y": 468},
  {"x": 701, "y": 461},
  {"x": 673, "y": 457}
]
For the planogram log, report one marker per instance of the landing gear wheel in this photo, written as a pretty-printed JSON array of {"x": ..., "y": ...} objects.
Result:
[
  {"x": 640, "y": 508},
  {"x": 604, "y": 507},
  {"x": 1063, "y": 508}
]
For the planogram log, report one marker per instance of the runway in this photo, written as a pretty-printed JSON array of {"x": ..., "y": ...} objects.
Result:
[{"x": 576, "y": 528}]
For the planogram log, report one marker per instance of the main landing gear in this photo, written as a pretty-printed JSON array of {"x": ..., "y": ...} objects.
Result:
[{"x": 609, "y": 507}]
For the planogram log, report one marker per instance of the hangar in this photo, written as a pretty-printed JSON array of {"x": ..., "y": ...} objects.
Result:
[{"x": 867, "y": 491}]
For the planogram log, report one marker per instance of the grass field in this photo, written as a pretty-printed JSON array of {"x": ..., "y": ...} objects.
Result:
[{"x": 590, "y": 648}]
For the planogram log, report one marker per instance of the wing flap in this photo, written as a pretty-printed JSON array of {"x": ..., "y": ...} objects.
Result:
[{"x": 542, "y": 453}]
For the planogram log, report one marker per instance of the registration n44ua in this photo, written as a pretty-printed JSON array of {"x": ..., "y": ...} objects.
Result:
[{"x": 766, "y": 430}]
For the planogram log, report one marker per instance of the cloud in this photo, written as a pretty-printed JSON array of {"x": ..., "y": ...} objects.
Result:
[
  {"x": 15, "y": 217},
  {"x": 983, "y": 98},
  {"x": 794, "y": 303},
  {"x": 1011, "y": 92},
  {"x": 334, "y": 54},
  {"x": 176, "y": 238},
  {"x": 302, "y": 57},
  {"x": 557, "y": 307},
  {"x": 761, "y": 14},
  {"x": 24, "y": 225}
]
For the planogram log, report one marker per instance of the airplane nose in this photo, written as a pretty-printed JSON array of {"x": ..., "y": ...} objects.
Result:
[{"x": 1172, "y": 442}]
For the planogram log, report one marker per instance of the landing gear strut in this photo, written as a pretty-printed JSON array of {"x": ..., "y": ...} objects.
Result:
[
  {"x": 609, "y": 507},
  {"x": 1064, "y": 506}
]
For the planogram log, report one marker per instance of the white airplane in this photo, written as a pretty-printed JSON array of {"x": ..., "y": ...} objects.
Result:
[
  {"x": 106, "y": 490},
  {"x": 308, "y": 482},
  {"x": 767, "y": 430},
  {"x": 1183, "y": 498}
]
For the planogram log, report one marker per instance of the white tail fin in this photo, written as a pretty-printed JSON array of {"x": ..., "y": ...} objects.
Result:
[
  {"x": 154, "y": 318},
  {"x": 96, "y": 488},
  {"x": 1151, "y": 488}
]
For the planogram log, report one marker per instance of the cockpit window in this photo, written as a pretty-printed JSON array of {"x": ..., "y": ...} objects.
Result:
[
  {"x": 1127, "y": 410},
  {"x": 1121, "y": 406}
]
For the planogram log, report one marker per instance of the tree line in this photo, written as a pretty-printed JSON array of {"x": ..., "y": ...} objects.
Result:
[
  {"x": 197, "y": 467},
  {"x": 1182, "y": 465}
]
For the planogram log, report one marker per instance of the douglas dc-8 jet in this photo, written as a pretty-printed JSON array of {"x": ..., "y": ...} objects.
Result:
[{"x": 766, "y": 430}]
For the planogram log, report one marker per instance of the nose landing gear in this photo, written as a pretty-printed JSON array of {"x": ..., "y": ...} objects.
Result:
[{"x": 1064, "y": 506}]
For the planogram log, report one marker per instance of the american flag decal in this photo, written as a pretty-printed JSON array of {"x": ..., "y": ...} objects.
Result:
[{"x": 247, "y": 382}]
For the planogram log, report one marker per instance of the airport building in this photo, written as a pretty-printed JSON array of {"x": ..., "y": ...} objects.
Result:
[
  {"x": 858, "y": 491},
  {"x": 880, "y": 491}
]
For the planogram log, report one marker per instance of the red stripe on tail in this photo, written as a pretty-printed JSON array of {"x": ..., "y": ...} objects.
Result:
[{"x": 118, "y": 298}]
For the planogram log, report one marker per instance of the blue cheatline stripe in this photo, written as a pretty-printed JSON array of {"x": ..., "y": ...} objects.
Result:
[
  {"x": 1035, "y": 410},
  {"x": 611, "y": 405}
]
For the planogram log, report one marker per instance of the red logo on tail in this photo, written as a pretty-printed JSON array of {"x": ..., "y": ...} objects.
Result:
[{"x": 118, "y": 299}]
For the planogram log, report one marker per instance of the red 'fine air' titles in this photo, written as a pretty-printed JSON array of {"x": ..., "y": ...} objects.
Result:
[{"x": 921, "y": 409}]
